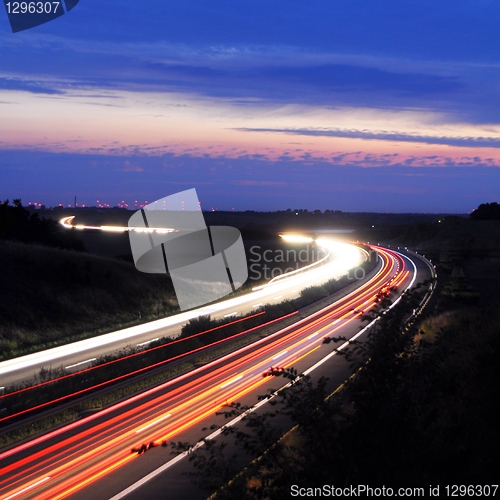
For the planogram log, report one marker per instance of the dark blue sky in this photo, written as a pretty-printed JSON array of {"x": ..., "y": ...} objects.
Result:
[{"x": 359, "y": 106}]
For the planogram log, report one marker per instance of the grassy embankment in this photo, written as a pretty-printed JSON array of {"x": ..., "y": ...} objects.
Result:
[{"x": 52, "y": 296}]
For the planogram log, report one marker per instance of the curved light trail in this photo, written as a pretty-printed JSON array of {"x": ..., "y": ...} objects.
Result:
[
  {"x": 24, "y": 367},
  {"x": 66, "y": 222},
  {"x": 64, "y": 461}
]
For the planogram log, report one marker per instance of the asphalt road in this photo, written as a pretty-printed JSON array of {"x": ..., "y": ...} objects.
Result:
[{"x": 92, "y": 458}]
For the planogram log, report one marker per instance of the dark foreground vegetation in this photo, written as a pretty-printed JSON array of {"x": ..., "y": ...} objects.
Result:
[
  {"x": 52, "y": 296},
  {"x": 422, "y": 408},
  {"x": 19, "y": 224},
  {"x": 422, "y": 411}
]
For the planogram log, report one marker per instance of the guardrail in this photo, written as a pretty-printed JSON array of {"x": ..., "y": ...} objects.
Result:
[{"x": 427, "y": 297}]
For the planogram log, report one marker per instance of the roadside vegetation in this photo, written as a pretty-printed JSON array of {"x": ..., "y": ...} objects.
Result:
[{"x": 421, "y": 408}]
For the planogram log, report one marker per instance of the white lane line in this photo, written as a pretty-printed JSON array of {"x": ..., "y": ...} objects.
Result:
[
  {"x": 147, "y": 342},
  {"x": 335, "y": 322},
  {"x": 312, "y": 336},
  {"x": 231, "y": 381},
  {"x": 80, "y": 363},
  {"x": 280, "y": 354},
  {"x": 256, "y": 305},
  {"x": 30, "y": 487},
  {"x": 153, "y": 423},
  {"x": 233, "y": 422},
  {"x": 218, "y": 432},
  {"x": 231, "y": 314},
  {"x": 278, "y": 297}
]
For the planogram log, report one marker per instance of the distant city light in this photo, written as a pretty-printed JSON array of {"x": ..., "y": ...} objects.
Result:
[{"x": 122, "y": 204}]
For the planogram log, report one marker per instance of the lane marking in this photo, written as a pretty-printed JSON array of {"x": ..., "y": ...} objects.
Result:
[
  {"x": 80, "y": 363},
  {"x": 231, "y": 314},
  {"x": 147, "y": 342}
]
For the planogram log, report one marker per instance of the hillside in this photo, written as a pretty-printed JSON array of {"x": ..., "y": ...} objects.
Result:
[
  {"x": 452, "y": 237},
  {"x": 49, "y": 295}
]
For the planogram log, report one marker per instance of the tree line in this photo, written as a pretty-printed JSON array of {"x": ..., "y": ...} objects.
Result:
[{"x": 19, "y": 224}]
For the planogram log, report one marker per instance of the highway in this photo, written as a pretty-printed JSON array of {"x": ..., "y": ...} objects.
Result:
[
  {"x": 83, "y": 353},
  {"x": 96, "y": 450}
]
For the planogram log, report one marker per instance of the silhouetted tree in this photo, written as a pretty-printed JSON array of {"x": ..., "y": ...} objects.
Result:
[
  {"x": 17, "y": 223},
  {"x": 486, "y": 211}
]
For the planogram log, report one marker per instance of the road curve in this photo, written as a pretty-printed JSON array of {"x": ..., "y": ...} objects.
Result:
[
  {"x": 63, "y": 462},
  {"x": 23, "y": 368}
]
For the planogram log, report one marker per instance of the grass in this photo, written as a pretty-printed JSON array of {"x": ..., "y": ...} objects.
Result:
[{"x": 55, "y": 296}]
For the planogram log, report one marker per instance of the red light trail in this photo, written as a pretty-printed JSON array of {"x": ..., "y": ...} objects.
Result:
[{"x": 62, "y": 462}]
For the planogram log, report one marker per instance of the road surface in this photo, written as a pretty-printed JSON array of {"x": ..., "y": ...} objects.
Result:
[{"x": 92, "y": 458}]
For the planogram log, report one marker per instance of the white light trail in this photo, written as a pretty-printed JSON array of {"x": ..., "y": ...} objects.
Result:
[
  {"x": 30, "y": 487},
  {"x": 153, "y": 423},
  {"x": 147, "y": 342},
  {"x": 66, "y": 222},
  {"x": 296, "y": 238}
]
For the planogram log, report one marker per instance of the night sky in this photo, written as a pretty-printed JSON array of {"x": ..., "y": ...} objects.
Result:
[{"x": 387, "y": 106}]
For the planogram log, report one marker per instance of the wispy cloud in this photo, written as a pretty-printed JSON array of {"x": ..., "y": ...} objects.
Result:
[
  {"x": 32, "y": 86},
  {"x": 364, "y": 94},
  {"x": 474, "y": 142}
]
